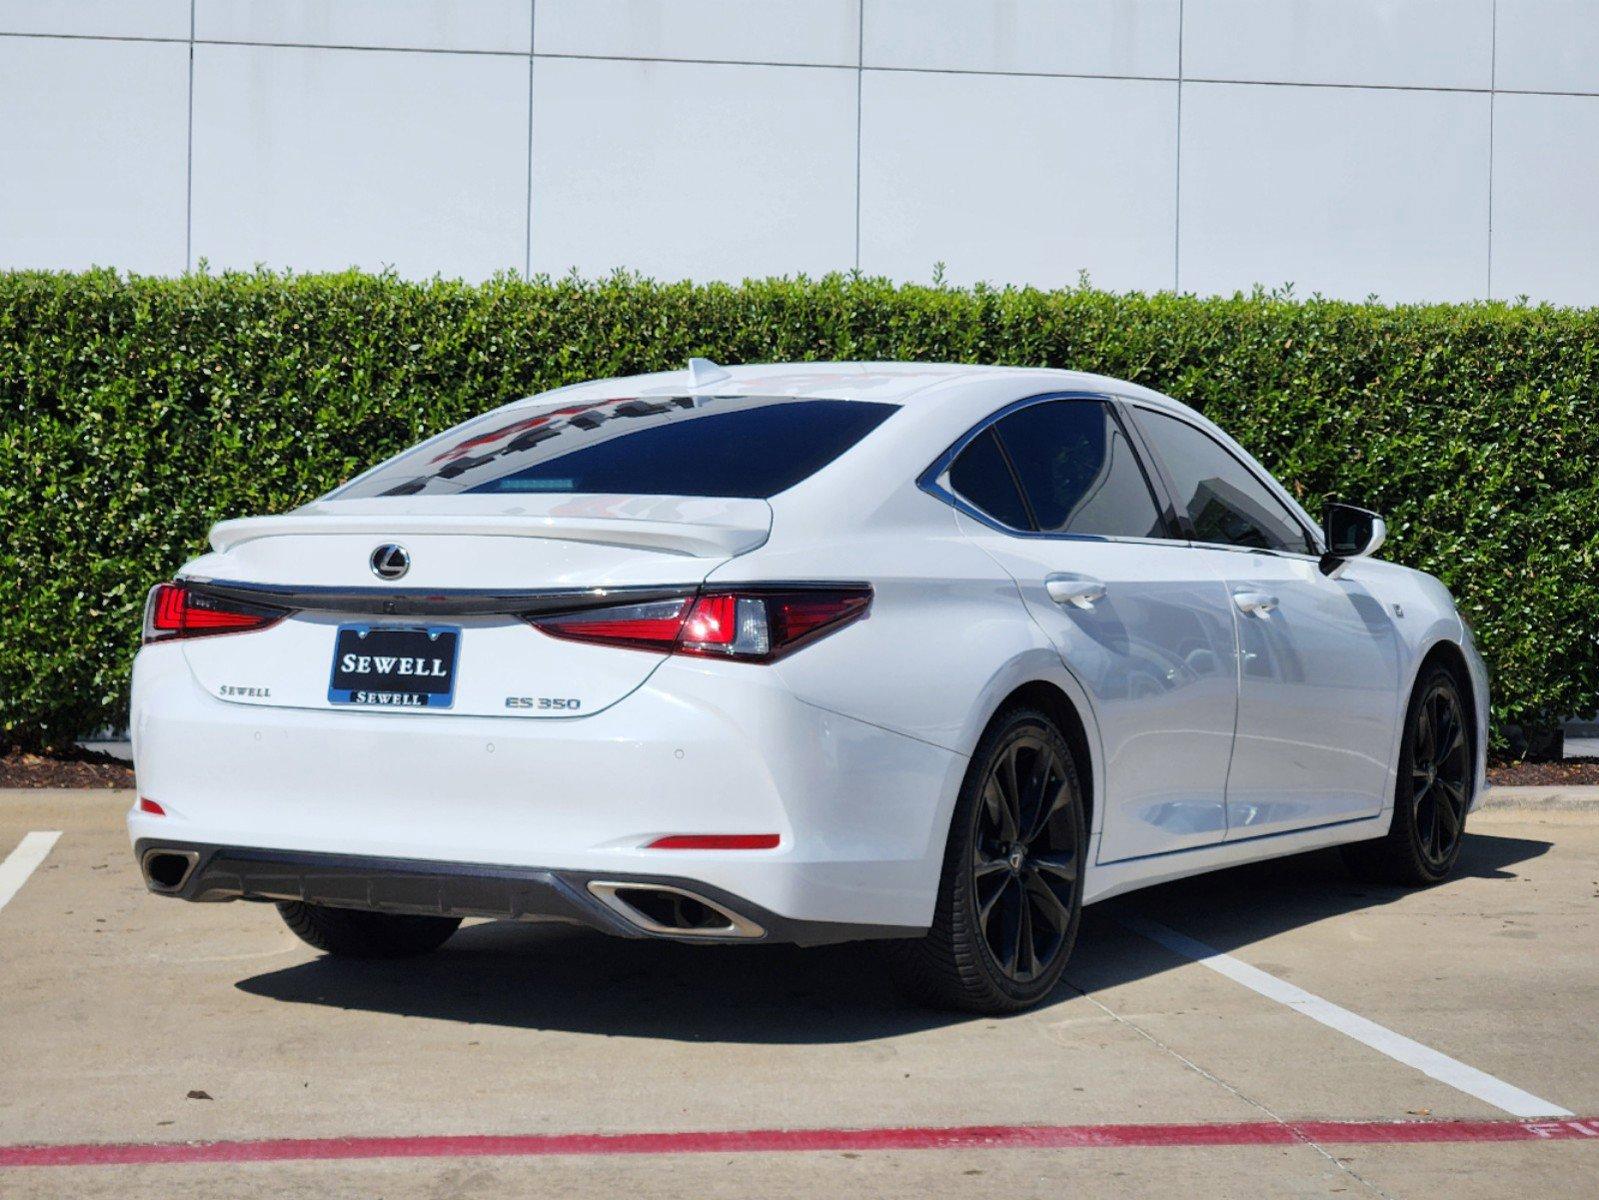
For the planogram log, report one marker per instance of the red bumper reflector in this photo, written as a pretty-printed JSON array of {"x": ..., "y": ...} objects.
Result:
[
  {"x": 715, "y": 841},
  {"x": 147, "y": 805}
]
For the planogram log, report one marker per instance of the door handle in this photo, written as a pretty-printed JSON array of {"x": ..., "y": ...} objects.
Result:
[
  {"x": 1074, "y": 589},
  {"x": 1256, "y": 604}
]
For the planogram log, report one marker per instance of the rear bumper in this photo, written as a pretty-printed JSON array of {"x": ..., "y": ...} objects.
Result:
[
  {"x": 411, "y": 886},
  {"x": 862, "y": 813}
]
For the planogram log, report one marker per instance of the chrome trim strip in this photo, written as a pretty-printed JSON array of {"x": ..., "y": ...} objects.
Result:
[
  {"x": 390, "y": 601},
  {"x": 931, "y": 479}
]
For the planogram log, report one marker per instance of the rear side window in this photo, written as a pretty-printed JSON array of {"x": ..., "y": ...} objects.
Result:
[
  {"x": 677, "y": 446},
  {"x": 1078, "y": 471},
  {"x": 980, "y": 477},
  {"x": 1226, "y": 503}
]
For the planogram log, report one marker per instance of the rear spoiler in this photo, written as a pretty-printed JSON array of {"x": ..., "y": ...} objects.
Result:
[{"x": 695, "y": 527}]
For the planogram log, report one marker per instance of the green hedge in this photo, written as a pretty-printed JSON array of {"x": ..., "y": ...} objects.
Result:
[{"x": 138, "y": 411}]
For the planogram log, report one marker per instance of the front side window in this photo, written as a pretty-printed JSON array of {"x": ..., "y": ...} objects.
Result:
[
  {"x": 1226, "y": 503},
  {"x": 670, "y": 446},
  {"x": 1078, "y": 471}
]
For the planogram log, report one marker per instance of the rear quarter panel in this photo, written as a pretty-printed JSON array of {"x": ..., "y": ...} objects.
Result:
[{"x": 946, "y": 640}]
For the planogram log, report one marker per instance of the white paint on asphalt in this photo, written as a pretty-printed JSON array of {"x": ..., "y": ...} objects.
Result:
[
  {"x": 1396, "y": 1046},
  {"x": 22, "y": 862}
]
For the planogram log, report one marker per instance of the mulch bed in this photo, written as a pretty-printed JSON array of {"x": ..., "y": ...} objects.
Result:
[
  {"x": 1571, "y": 772},
  {"x": 91, "y": 769},
  {"x": 65, "y": 769}
]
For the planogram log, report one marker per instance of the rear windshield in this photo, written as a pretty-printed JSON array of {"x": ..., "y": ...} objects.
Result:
[{"x": 674, "y": 446}]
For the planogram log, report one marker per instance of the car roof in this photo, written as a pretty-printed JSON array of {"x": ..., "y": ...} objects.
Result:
[
  {"x": 923, "y": 388},
  {"x": 889, "y": 382},
  {"x": 944, "y": 398}
]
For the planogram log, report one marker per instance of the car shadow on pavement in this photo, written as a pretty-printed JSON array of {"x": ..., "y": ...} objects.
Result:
[
  {"x": 552, "y": 977},
  {"x": 1233, "y": 909},
  {"x": 555, "y": 977}
]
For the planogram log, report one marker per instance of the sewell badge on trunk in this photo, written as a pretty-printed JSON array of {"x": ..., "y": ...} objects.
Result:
[{"x": 388, "y": 666}]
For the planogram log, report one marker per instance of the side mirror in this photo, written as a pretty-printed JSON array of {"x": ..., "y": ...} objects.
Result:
[{"x": 1351, "y": 533}]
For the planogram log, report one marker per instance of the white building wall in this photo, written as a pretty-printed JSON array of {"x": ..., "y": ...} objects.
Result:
[{"x": 1412, "y": 149}]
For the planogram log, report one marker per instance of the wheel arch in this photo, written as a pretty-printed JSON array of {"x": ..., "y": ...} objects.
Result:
[
  {"x": 1053, "y": 701},
  {"x": 1452, "y": 657}
]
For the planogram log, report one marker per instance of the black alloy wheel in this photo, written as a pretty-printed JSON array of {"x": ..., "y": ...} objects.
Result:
[
  {"x": 1011, "y": 893},
  {"x": 1440, "y": 774},
  {"x": 1432, "y": 795},
  {"x": 1026, "y": 858}
]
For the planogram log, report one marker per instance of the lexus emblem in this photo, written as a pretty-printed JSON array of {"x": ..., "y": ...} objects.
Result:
[{"x": 390, "y": 561}]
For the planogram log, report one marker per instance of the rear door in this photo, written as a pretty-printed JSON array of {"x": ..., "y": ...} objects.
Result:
[
  {"x": 1055, "y": 492},
  {"x": 1319, "y": 684}
]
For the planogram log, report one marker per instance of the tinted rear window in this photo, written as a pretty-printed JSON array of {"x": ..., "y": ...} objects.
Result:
[
  {"x": 981, "y": 478},
  {"x": 677, "y": 446},
  {"x": 1078, "y": 470}
]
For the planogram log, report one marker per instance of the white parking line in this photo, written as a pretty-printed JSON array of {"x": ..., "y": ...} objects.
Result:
[
  {"x": 1396, "y": 1046},
  {"x": 22, "y": 861}
]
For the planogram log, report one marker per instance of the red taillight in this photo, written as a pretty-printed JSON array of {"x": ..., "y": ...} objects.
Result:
[
  {"x": 750, "y": 625},
  {"x": 712, "y": 622},
  {"x": 147, "y": 805},
  {"x": 653, "y": 625},
  {"x": 176, "y": 611},
  {"x": 715, "y": 841}
]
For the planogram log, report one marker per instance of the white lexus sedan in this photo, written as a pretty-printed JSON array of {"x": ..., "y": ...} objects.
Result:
[{"x": 802, "y": 653}]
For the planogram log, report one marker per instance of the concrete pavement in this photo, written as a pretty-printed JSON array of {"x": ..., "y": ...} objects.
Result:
[{"x": 115, "y": 1006}]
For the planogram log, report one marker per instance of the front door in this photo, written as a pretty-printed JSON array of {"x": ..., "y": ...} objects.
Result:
[
  {"x": 1318, "y": 698},
  {"x": 1319, "y": 686}
]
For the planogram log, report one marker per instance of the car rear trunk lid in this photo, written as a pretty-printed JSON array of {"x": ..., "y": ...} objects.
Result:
[{"x": 446, "y": 634}]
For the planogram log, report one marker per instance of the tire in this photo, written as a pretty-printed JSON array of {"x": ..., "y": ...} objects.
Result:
[
  {"x": 1010, "y": 896},
  {"x": 1432, "y": 794},
  {"x": 352, "y": 933}
]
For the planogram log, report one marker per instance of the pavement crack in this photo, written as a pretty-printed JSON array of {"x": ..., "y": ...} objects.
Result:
[{"x": 1292, "y": 1128}]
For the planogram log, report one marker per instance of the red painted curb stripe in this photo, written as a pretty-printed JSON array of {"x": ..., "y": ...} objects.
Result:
[{"x": 769, "y": 1141}]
